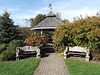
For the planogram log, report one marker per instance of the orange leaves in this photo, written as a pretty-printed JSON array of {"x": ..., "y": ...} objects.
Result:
[
  {"x": 36, "y": 41},
  {"x": 29, "y": 41}
]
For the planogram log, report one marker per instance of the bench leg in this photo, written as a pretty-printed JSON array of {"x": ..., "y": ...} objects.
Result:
[
  {"x": 38, "y": 55},
  {"x": 65, "y": 55},
  {"x": 87, "y": 57},
  {"x": 17, "y": 58},
  {"x": 17, "y": 55}
]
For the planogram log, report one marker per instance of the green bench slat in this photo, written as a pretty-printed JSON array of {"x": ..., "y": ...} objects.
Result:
[
  {"x": 29, "y": 52},
  {"x": 77, "y": 53}
]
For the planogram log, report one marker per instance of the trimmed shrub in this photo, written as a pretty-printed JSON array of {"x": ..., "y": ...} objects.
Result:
[
  {"x": 15, "y": 43},
  {"x": 2, "y": 47},
  {"x": 81, "y": 32},
  {"x": 36, "y": 41},
  {"x": 7, "y": 55}
]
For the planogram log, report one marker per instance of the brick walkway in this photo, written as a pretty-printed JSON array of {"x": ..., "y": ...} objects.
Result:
[{"x": 51, "y": 65}]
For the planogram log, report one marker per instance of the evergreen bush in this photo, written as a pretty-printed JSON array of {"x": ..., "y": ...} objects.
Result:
[
  {"x": 2, "y": 47},
  {"x": 7, "y": 55},
  {"x": 15, "y": 43}
]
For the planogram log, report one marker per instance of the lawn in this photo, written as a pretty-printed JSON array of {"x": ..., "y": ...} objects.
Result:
[
  {"x": 22, "y": 67},
  {"x": 76, "y": 67}
]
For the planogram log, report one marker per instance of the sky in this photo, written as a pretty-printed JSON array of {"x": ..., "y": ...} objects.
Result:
[{"x": 25, "y": 9}]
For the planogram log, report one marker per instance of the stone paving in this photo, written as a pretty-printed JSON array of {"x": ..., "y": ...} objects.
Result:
[{"x": 51, "y": 65}]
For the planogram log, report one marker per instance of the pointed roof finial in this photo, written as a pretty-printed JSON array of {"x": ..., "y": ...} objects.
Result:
[{"x": 50, "y": 6}]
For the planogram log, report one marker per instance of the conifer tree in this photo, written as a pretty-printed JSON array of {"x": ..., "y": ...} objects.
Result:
[{"x": 8, "y": 31}]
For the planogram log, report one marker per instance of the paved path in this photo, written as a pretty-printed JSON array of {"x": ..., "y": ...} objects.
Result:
[{"x": 51, "y": 65}]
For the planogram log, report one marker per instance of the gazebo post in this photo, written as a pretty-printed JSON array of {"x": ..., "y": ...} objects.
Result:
[
  {"x": 34, "y": 33},
  {"x": 41, "y": 32}
]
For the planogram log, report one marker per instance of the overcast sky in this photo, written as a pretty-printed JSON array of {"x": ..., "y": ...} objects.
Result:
[{"x": 21, "y": 9}]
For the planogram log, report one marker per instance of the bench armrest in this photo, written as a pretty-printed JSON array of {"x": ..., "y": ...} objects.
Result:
[
  {"x": 17, "y": 51},
  {"x": 38, "y": 50}
]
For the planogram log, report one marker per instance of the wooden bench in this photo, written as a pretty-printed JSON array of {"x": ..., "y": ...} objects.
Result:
[
  {"x": 27, "y": 50},
  {"x": 76, "y": 51}
]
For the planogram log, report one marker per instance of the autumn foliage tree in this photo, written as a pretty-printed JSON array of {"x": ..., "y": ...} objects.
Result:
[{"x": 81, "y": 32}]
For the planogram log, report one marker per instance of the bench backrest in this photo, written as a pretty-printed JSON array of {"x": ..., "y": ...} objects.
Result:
[
  {"x": 77, "y": 49},
  {"x": 28, "y": 48}
]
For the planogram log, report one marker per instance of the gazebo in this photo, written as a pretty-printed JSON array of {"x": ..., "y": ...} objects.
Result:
[{"x": 48, "y": 24}]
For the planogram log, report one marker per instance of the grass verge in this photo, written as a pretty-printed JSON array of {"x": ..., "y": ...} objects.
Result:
[
  {"x": 76, "y": 67},
  {"x": 22, "y": 67}
]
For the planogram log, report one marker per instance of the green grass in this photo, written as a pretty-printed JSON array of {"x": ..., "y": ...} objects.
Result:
[
  {"x": 76, "y": 67},
  {"x": 22, "y": 67}
]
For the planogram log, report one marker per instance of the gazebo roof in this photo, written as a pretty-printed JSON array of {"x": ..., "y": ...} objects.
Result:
[
  {"x": 48, "y": 23},
  {"x": 51, "y": 14}
]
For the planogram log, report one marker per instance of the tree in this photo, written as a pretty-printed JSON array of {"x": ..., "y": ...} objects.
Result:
[
  {"x": 8, "y": 31},
  {"x": 58, "y": 16},
  {"x": 65, "y": 20},
  {"x": 81, "y": 32},
  {"x": 25, "y": 32},
  {"x": 98, "y": 13},
  {"x": 38, "y": 19},
  {"x": 28, "y": 22}
]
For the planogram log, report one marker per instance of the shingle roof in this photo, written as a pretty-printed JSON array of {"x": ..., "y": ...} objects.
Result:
[
  {"x": 48, "y": 23},
  {"x": 51, "y": 14}
]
